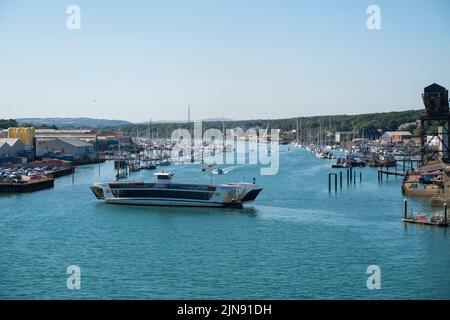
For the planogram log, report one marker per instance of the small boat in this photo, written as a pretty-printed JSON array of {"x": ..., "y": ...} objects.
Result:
[
  {"x": 165, "y": 193},
  {"x": 220, "y": 171}
]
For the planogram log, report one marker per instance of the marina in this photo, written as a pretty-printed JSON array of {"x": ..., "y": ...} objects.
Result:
[
  {"x": 215, "y": 157},
  {"x": 294, "y": 226}
]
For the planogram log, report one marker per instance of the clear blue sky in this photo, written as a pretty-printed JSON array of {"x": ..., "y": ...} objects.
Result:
[{"x": 242, "y": 59}]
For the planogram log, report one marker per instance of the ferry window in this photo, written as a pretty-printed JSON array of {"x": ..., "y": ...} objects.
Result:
[{"x": 164, "y": 194}]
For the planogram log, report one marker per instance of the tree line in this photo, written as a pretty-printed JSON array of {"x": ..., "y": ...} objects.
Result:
[{"x": 369, "y": 125}]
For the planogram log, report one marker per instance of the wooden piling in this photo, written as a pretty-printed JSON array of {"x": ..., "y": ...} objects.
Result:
[
  {"x": 335, "y": 181},
  {"x": 405, "y": 209},
  {"x": 445, "y": 213}
]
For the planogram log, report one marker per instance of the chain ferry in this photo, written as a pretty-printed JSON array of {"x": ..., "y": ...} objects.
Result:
[{"x": 165, "y": 193}]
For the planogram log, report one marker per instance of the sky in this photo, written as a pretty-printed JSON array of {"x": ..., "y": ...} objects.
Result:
[{"x": 245, "y": 59}]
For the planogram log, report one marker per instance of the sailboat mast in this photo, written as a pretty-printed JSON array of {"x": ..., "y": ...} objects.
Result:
[
  {"x": 223, "y": 133},
  {"x": 189, "y": 114},
  {"x": 148, "y": 130}
]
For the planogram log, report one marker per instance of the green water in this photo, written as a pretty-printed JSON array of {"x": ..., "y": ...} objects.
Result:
[{"x": 297, "y": 241}]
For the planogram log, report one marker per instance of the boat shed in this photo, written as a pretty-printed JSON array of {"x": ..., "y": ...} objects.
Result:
[
  {"x": 11, "y": 148},
  {"x": 78, "y": 149}
]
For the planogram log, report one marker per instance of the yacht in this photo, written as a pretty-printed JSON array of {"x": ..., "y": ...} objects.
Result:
[{"x": 165, "y": 193}]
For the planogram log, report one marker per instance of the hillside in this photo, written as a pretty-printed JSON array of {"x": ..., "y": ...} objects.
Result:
[
  {"x": 72, "y": 122},
  {"x": 369, "y": 124}
]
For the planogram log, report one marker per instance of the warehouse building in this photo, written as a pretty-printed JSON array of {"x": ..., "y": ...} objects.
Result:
[
  {"x": 51, "y": 134},
  {"x": 68, "y": 148},
  {"x": 396, "y": 137},
  {"x": 10, "y": 148}
]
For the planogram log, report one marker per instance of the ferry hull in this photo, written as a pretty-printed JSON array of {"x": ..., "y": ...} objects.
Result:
[{"x": 171, "y": 203}]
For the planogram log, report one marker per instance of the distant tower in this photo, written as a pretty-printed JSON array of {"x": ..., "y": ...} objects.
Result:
[{"x": 435, "y": 100}]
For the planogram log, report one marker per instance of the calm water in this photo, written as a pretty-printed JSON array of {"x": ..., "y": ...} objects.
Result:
[{"x": 296, "y": 242}]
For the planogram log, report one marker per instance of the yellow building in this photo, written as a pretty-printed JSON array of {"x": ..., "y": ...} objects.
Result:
[{"x": 25, "y": 134}]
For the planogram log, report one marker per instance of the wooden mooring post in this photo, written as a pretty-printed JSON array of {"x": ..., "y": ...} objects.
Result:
[
  {"x": 445, "y": 213},
  {"x": 335, "y": 181},
  {"x": 405, "y": 209}
]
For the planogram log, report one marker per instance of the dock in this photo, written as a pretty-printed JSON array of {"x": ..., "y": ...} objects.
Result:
[
  {"x": 438, "y": 220},
  {"x": 39, "y": 180},
  {"x": 27, "y": 186},
  {"x": 62, "y": 172},
  {"x": 389, "y": 173},
  {"x": 426, "y": 222}
]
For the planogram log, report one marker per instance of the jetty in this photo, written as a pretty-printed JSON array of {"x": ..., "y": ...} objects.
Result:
[
  {"x": 27, "y": 186},
  {"x": 388, "y": 173},
  {"x": 33, "y": 176},
  {"x": 435, "y": 219}
]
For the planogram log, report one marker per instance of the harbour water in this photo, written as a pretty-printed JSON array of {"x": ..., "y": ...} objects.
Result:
[{"x": 297, "y": 241}]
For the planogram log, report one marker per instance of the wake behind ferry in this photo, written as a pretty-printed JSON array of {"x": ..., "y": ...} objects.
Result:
[{"x": 165, "y": 193}]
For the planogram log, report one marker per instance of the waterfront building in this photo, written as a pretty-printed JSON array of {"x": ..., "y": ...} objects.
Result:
[
  {"x": 105, "y": 143},
  {"x": 396, "y": 137},
  {"x": 10, "y": 148},
  {"x": 80, "y": 134},
  {"x": 70, "y": 148}
]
